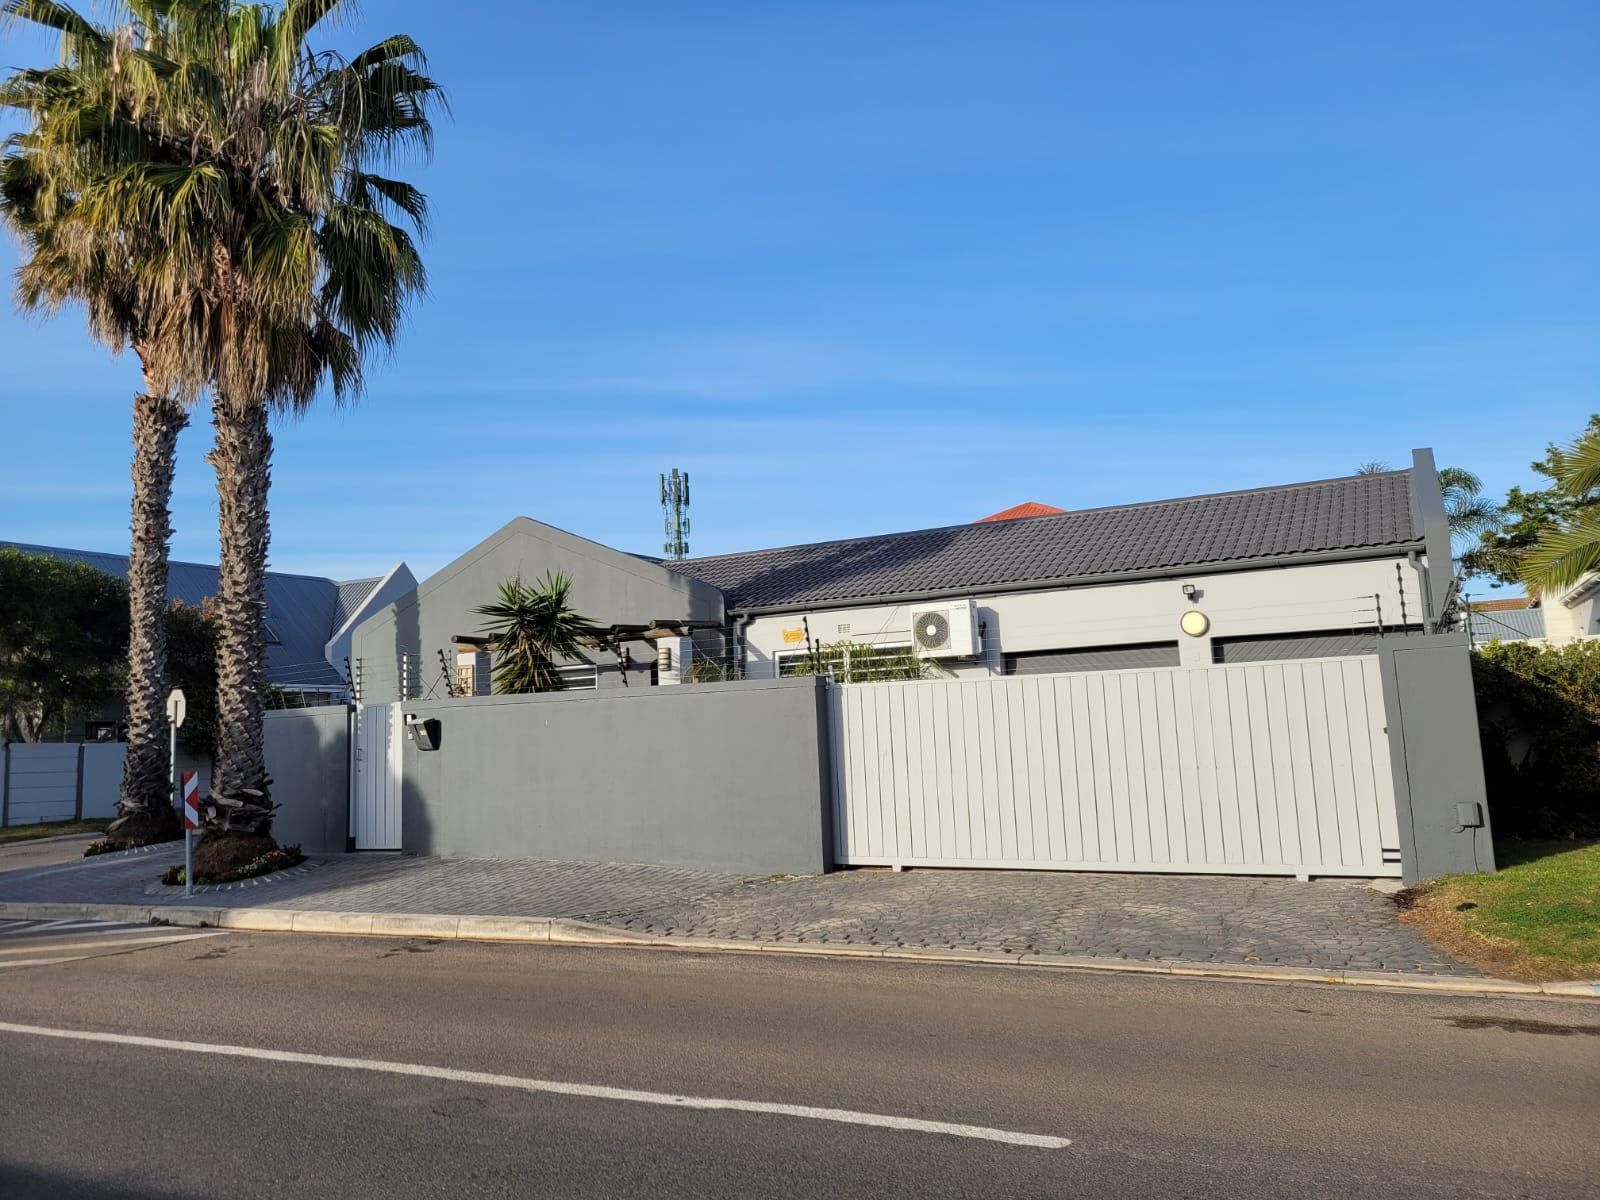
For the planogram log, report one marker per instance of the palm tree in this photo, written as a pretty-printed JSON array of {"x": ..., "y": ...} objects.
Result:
[
  {"x": 74, "y": 127},
  {"x": 1469, "y": 514},
  {"x": 531, "y": 629},
  {"x": 1565, "y": 555},
  {"x": 278, "y": 266}
]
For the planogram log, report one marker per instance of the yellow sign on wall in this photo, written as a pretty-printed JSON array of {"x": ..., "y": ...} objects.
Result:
[{"x": 791, "y": 636}]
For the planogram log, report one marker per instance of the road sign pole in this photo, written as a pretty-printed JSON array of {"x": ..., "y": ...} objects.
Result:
[
  {"x": 186, "y": 794},
  {"x": 191, "y": 822},
  {"x": 172, "y": 767}
]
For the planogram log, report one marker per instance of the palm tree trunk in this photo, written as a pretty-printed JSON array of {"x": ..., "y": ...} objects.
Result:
[
  {"x": 144, "y": 808},
  {"x": 243, "y": 462}
]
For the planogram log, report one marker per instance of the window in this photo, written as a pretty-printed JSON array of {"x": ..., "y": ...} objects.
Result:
[
  {"x": 578, "y": 678},
  {"x": 853, "y": 662},
  {"x": 1278, "y": 647},
  {"x": 1132, "y": 657}
]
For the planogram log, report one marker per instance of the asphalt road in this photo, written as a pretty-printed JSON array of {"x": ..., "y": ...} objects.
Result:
[{"x": 1164, "y": 1087}]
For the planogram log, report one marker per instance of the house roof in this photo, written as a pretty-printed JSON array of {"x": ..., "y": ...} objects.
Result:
[
  {"x": 1508, "y": 604},
  {"x": 303, "y": 611},
  {"x": 1358, "y": 513},
  {"x": 352, "y": 594},
  {"x": 1028, "y": 508},
  {"x": 1505, "y": 624}
]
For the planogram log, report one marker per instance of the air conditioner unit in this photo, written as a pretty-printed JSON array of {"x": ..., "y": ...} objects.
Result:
[{"x": 946, "y": 630}]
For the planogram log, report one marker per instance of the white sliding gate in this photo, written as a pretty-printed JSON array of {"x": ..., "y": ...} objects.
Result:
[
  {"x": 1264, "y": 768},
  {"x": 375, "y": 779}
]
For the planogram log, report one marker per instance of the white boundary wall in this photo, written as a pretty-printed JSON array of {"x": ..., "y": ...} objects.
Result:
[{"x": 1261, "y": 768}]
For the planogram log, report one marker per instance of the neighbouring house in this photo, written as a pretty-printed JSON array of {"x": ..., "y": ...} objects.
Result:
[
  {"x": 1028, "y": 508},
  {"x": 1570, "y": 615},
  {"x": 1300, "y": 570},
  {"x": 1573, "y": 613},
  {"x": 1513, "y": 619},
  {"x": 310, "y": 619}
]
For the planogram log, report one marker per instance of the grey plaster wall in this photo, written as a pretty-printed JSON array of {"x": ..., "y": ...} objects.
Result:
[
  {"x": 308, "y": 758},
  {"x": 732, "y": 776},
  {"x": 609, "y": 587},
  {"x": 1435, "y": 753},
  {"x": 1427, "y": 512}
]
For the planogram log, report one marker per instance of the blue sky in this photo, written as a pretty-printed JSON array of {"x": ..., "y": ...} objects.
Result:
[{"x": 869, "y": 266}]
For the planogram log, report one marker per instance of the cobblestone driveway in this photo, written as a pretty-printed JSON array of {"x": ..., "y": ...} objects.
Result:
[{"x": 1331, "y": 924}]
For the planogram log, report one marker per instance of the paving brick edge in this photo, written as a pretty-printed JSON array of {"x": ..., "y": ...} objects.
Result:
[{"x": 562, "y": 931}]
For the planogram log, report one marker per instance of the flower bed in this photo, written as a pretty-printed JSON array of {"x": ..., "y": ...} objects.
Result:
[{"x": 273, "y": 860}]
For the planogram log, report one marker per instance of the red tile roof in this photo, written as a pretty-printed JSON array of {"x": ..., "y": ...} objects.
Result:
[
  {"x": 1028, "y": 508},
  {"x": 1510, "y": 604}
]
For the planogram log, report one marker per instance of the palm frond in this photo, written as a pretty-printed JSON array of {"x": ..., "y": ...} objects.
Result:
[
  {"x": 366, "y": 189},
  {"x": 63, "y": 18},
  {"x": 1578, "y": 466},
  {"x": 1563, "y": 557}
]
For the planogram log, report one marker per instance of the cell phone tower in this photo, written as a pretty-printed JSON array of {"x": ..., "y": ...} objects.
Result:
[{"x": 675, "y": 506}]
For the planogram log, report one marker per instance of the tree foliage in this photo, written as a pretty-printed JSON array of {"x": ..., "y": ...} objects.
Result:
[
  {"x": 192, "y": 666},
  {"x": 1539, "y": 724},
  {"x": 63, "y": 648},
  {"x": 1469, "y": 514},
  {"x": 1570, "y": 550},
  {"x": 1528, "y": 515},
  {"x": 533, "y": 629},
  {"x": 63, "y": 631}
]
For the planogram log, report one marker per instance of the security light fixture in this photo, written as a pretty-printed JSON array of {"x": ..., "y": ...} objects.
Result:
[{"x": 424, "y": 731}]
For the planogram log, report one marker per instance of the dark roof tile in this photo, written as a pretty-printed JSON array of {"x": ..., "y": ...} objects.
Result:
[{"x": 1355, "y": 513}]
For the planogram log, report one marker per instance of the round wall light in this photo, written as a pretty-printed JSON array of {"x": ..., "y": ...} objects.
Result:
[{"x": 1195, "y": 623}]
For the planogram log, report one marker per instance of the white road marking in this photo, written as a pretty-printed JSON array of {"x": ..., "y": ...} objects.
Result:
[
  {"x": 555, "y": 1087},
  {"x": 43, "y": 947},
  {"x": 41, "y": 962},
  {"x": 14, "y": 936}
]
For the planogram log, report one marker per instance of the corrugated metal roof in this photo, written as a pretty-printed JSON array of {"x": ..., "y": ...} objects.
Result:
[
  {"x": 1355, "y": 513},
  {"x": 352, "y": 595},
  {"x": 300, "y": 611},
  {"x": 1507, "y": 624}
]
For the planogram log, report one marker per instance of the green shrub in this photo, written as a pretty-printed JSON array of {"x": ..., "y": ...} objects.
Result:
[{"x": 1539, "y": 721}]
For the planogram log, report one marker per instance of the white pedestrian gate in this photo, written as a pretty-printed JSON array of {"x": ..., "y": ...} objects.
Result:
[
  {"x": 375, "y": 779},
  {"x": 1261, "y": 768}
]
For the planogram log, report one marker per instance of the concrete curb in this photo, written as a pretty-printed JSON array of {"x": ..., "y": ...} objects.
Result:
[{"x": 558, "y": 930}]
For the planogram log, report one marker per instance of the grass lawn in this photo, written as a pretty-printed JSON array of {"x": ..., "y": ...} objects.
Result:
[
  {"x": 1537, "y": 918},
  {"x": 44, "y": 829}
]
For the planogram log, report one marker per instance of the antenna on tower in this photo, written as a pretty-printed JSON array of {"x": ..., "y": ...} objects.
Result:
[{"x": 675, "y": 507}]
